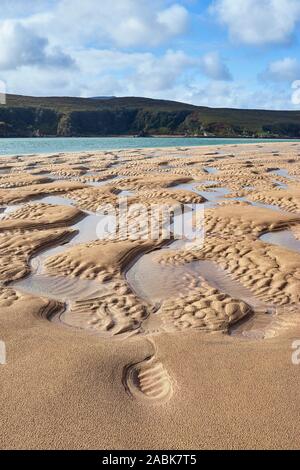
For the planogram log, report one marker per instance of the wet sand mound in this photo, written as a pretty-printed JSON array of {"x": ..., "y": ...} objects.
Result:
[
  {"x": 92, "y": 198},
  {"x": 16, "y": 249},
  {"x": 178, "y": 195},
  {"x": 240, "y": 219},
  {"x": 16, "y": 196},
  {"x": 98, "y": 260},
  {"x": 205, "y": 309},
  {"x": 288, "y": 200},
  {"x": 20, "y": 180},
  {"x": 155, "y": 181},
  {"x": 39, "y": 216}
]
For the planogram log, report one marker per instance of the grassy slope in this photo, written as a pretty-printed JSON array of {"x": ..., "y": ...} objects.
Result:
[
  {"x": 82, "y": 116},
  {"x": 68, "y": 104}
]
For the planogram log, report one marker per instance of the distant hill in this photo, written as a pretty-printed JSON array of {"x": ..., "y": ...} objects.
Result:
[
  {"x": 25, "y": 116},
  {"x": 102, "y": 97}
]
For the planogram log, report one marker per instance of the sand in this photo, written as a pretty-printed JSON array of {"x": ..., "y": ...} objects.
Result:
[{"x": 193, "y": 353}]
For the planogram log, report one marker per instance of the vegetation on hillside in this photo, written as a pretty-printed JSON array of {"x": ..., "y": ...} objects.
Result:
[{"x": 24, "y": 116}]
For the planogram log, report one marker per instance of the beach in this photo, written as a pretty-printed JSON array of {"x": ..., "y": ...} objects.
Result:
[{"x": 148, "y": 342}]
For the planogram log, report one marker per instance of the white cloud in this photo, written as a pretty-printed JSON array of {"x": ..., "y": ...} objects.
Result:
[
  {"x": 174, "y": 19},
  {"x": 20, "y": 46},
  {"x": 20, "y": 8},
  {"x": 103, "y": 73},
  {"x": 295, "y": 99},
  {"x": 123, "y": 23},
  {"x": 143, "y": 72},
  {"x": 159, "y": 74},
  {"x": 236, "y": 95},
  {"x": 136, "y": 47},
  {"x": 258, "y": 22},
  {"x": 213, "y": 67},
  {"x": 112, "y": 72},
  {"x": 287, "y": 69}
]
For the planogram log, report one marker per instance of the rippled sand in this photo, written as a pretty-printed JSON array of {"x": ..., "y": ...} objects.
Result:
[{"x": 150, "y": 343}]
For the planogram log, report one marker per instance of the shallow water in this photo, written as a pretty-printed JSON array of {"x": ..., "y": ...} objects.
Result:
[
  {"x": 8, "y": 210},
  {"x": 218, "y": 193},
  {"x": 155, "y": 282},
  {"x": 283, "y": 172},
  {"x": 283, "y": 238},
  {"x": 253, "y": 327},
  {"x": 53, "y": 145},
  {"x": 211, "y": 170},
  {"x": 55, "y": 200},
  {"x": 213, "y": 196},
  {"x": 280, "y": 185},
  {"x": 64, "y": 289},
  {"x": 262, "y": 205},
  {"x": 5, "y": 170}
]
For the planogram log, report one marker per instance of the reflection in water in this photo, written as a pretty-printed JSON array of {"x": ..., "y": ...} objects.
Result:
[
  {"x": 283, "y": 172},
  {"x": 155, "y": 282},
  {"x": 214, "y": 196},
  {"x": 56, "y": 200},
  {"x": 262, "y": 205},
  {"x": 8, "y": 210},
  {"x": 211, "y": 170},
  {"x": 64, "y": 289},
  {"x": 284, "y": 238},
  {"x": 280, "y": 185},
  {"x": 254, "y": 327}
]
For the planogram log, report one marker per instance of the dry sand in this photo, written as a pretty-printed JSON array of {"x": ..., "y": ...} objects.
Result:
[{"x": 208, "y": 364}]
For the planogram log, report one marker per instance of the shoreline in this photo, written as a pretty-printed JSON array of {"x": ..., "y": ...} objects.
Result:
[
  {"x": 152, "y": 136},
  {"x": 232, "y": 143}
]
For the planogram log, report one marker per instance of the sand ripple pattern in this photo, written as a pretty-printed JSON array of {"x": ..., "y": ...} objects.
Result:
[{"x": 264, "y": 272}]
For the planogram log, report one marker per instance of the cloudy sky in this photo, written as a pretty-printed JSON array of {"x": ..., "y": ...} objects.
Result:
[{"x": 223, "y": 53}]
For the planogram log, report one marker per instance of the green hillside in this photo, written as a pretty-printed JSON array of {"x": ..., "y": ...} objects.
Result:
[{"x": 25, "y": 116}]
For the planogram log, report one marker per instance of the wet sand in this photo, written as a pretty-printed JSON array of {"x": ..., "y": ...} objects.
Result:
[{"x": 150, "y": 343}]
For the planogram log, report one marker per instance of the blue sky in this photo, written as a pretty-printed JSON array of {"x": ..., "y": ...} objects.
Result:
[{"x": 220, "y": 53}]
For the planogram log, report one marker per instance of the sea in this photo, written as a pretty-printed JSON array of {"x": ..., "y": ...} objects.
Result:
[{"x": 53, "y": 145}]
